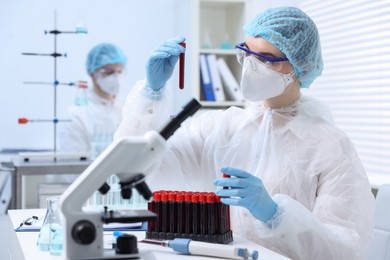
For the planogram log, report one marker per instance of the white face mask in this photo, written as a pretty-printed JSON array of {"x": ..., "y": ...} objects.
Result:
[
  {"x": 259, "y": 82},
  {"x": 109, "y": 84}
]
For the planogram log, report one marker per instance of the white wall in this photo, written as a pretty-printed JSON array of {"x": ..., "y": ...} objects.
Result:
[
  {"x": 136, "y": 26},
  {"x": 258, "y": 6}
]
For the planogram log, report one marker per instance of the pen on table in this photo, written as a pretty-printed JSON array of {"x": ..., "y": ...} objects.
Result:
[
  {"x": 28, "y": 221},
  {"x": 181, "y": 67},
  {"x": 190, "y": 247}
]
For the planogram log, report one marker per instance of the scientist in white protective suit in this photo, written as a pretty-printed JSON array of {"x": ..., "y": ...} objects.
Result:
[
  {"x": 95, "y": 119},
  {"x": 298, "y": 186}
]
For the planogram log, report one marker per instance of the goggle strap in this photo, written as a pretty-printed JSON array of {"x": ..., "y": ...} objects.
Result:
[{"x": 270, "y": 59}]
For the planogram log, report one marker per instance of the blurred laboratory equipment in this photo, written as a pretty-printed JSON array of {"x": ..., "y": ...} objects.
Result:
[
  {"x": 24, "y": 120},
  {"x": 51, "y": 234},
  {"x": 207, "y": 42},
  {"x": 226, "y": 43},
  {"x": 81, "y": 98},
  {"x": 102, "y": 137},
  {"x": 9, "y": 246},
  {"x": 5, "y": 191},
  {"x": 29, "y": 185},
  {"x": 55, "y": 32},
  {"x": 113, "y": 198}
]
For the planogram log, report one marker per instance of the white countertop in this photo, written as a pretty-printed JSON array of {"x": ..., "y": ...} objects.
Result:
[{"x": 28, "y": 243}]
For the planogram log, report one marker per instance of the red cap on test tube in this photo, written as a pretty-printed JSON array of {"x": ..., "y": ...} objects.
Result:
[
  {"x": 188, "y": 197},
  {"x": 156, "y": 196},
  {"x": 180, "y": 197}
]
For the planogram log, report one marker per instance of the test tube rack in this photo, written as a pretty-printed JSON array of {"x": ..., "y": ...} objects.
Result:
[
  {"x": 199, "y": 216},
  {"x": 55, "y": 32}
]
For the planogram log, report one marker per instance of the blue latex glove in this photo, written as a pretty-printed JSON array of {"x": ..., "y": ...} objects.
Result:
[
  {"x": 161, "y": 63},
  {"x": 248, "y": 191}
]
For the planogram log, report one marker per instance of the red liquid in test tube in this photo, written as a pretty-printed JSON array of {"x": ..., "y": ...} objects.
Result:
[
  {"x": 221, "y": 215},
  {"x": 172, "y": 212},
  {"x": 188, "y": 213},
  {"x": 202, "y": 214},
  {"x": 164, "y": 213},
  {"x": 195, "y": 213},
  {"x": 181, "y": 67},
  {"x": 226, "y": 210},
  {"x": 152, "y": 207},
  {"x": 157, "y": 210},
  {"x": 180, "y": 213},
  {"x": 211, "y": 214}
]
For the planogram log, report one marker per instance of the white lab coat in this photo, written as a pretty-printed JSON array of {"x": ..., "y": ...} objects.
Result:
[
  {"x": 99, "y": 116},
  {"x": 91, "y": 125},
  {"x": 308, "y": 165}
]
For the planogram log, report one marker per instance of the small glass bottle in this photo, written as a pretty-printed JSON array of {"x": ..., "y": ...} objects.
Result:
[
  {"x": 207, "y": 43},
  {"x": 51, "y": 234},
  {"x": 226, "y": 43},
  {"x": 81, "y": 98}
]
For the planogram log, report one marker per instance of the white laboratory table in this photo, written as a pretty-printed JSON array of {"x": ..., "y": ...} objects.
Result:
[{"x": 28, "y": 240}]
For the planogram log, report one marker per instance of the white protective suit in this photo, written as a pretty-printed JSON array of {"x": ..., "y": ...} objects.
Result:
[
  {"x": 97, "y": 120},
  {"x": 99, "y": 117},
  {"x": 308, "y": 165}
]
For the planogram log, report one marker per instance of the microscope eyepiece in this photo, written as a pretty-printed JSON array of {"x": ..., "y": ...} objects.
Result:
[{"x": 188, "y": 110}]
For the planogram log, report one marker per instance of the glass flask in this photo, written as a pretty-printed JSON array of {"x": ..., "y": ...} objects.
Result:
[{"x": 51, "y": 234}]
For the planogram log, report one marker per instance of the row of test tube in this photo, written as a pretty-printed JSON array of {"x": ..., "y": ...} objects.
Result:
[{"x": 196, "y": 213}]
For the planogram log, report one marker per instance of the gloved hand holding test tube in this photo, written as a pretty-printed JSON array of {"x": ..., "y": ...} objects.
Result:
[{"x": 190, "y": 247}]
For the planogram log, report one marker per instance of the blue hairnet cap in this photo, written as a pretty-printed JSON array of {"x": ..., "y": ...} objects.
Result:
[
  {"x": 103, "y": 54},
  {"x": 295, "y": 34}
]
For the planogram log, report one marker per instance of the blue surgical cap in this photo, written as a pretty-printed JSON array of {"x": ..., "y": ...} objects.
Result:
[
  {"x": 293, "y": 33},
  {"x": 103, "y": 54}
]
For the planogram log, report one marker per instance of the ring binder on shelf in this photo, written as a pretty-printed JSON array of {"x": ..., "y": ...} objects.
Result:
[
  {"x": 207, "y": 86},
  {"x": 215, "y": 78},
  {"x": 229, "y": 81}
]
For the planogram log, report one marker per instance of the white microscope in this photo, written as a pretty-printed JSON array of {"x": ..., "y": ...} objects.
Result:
[{"x": 128, "y": 158}]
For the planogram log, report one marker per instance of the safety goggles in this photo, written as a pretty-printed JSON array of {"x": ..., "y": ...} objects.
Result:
[
  {"x": 105, "y": 72},
  {"x": 274, "y": 63}
]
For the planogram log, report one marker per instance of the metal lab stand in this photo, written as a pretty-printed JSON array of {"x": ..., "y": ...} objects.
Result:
[{"x": 19, "y": 169}]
